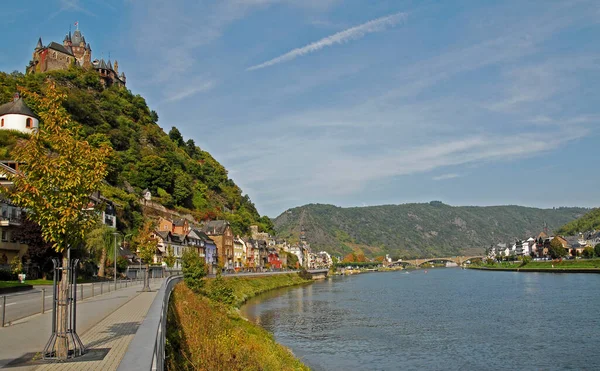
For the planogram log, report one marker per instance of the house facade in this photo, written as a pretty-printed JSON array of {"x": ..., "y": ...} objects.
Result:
[
  {"x": 221, "y": 233},
  {"x": 239, "y": 253}
]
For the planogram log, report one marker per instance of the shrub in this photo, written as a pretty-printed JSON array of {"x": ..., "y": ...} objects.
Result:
[
  {"x": 525, "y": 261},
  {"x": 194, "y": 270},
  {"x": 588, "y": 252},
  {"x": 220, "y": 291},
  {"x": 16, "y": 265},
  {"x": 7, "y": 275},
  {"x": 122, "y": 264},
  {"x": 304, "y": 274}
]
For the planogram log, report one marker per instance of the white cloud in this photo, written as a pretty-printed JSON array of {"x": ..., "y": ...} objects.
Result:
[
  {"x": 446, "y": 176},
  {"x": 191, "y": 90},
  {"x": 357, "y": 32}
]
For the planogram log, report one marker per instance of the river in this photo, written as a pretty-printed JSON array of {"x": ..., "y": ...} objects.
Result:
[{"x": 439, "y": 319}]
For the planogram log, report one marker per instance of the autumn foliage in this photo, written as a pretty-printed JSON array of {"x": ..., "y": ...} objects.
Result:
[
  {"x": 57, "y": 173},
  {"x": 354, "y": 258}
]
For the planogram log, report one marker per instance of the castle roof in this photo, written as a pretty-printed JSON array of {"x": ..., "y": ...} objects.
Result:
[
  {"x": 77, "y": 38},
  {"x": 17, "y": 107},
  {"x": 39, "y": 44},
  {"x": 60, "y": 48}
]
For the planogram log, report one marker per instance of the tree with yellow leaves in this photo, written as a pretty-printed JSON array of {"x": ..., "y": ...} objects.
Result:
[
  {"x": 58, "y": 171},
  {"x": 145, "y": 246}
]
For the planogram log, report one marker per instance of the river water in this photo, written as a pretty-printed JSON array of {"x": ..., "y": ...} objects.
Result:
[{"x": 439, "y": 319}]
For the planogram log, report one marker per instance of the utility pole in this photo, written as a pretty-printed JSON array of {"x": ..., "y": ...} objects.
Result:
[{"x": 115, "y": 258}]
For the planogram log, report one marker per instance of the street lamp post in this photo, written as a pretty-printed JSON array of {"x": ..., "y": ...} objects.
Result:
[{"x": 115, "y": 258}]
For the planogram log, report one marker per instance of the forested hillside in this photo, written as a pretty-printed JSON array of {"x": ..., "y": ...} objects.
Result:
[
  {"x": 588, "y": 222},
  {"x": 417, "y": 230},
  {"x": 178, "y": 172}
]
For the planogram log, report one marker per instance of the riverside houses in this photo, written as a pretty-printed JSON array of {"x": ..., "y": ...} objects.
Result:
[
  {"x": 220, "y": 231},
  {"x": 239, "y": 253},
  {"x": 251, "y": 254}
]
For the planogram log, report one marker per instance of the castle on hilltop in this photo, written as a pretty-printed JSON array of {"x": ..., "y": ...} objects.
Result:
[{"x": 74, "y": 50}]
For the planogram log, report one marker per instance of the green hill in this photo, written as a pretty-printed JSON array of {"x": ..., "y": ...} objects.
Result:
[
  {"x": 588, "y": 222},
  {"x": 416, "y": 230},
  {"x": 179, "y": 173}
]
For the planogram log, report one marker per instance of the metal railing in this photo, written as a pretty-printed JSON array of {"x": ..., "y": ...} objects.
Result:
[
  {"x": 84, "y": 291},
  {"x": 142, "y": 353}
]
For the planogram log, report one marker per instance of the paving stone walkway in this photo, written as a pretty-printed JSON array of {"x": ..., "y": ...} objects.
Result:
[
  {"x": 106, "y": 325},
  {"x": 114, "y": 334}
]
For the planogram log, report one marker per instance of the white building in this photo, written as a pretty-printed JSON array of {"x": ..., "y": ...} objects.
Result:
[
  {"x": 297, "y": 250},
  {"x": 16, "y": 115}
]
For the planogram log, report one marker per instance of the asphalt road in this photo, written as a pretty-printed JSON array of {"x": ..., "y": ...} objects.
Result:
[{"x": 25, "y": 304}]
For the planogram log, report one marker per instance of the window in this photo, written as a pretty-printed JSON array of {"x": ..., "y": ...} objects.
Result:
[
  {"x": 28, "y": 122},
  {"x": 2, "y": 123},
  {"x": 4, "y": 236}
]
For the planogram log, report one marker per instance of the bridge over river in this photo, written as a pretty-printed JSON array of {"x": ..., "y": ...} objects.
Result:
[{"x": 454, "y": 259}]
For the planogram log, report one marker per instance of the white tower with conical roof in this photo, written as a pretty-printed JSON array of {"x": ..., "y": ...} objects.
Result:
[{"x": 16, "y": 115}]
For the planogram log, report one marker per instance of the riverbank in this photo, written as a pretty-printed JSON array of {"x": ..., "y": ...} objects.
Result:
[
  {"x": 565, "y": 266},
  {"x": 205, "y": 331}
]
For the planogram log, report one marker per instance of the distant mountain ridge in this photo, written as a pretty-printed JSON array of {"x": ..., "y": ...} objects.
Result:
[{"x": 417, "y": 230}]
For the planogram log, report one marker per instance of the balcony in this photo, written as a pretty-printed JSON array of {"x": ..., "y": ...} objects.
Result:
[{"x": 8, "y": 220}]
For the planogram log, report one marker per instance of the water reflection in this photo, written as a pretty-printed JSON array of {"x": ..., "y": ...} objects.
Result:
[{"x": 444, "y": 319}]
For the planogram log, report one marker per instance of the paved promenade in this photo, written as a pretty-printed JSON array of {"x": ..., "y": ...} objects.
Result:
[{"x": 106, "y": 324}]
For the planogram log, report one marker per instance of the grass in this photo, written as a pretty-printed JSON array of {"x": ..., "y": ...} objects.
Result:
[
  {"x": 565, "y": 264},
  {"x": 591, "y": 263},
  {"x": 204, "y": 334},
  {"x": 244, "y": 288}
]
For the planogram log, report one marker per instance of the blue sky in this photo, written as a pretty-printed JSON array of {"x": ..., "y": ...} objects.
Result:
[{"x": 359, "y": 102}]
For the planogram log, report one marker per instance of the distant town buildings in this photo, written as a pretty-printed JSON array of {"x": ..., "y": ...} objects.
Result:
[{"x": 537, "y": 247}]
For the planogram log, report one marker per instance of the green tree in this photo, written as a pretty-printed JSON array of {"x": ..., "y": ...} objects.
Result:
[
  {"x": 190, "y": 148},
  {"x": 588, "y": 252},
  {"x": 194, "y": 270},
  {"x": 154, "y": 116},
  {"x": 145, "y": 246},
  {"x": 58, "y": 172},
  {"x": 99, "y": 242},
  {"x": 556, "y": 249},
  {"x": 597, "y": 250},
  {"x": 182, "y": 188},
  {"x": 176, "y": 136},
  {"x": 170, "y": 258}
]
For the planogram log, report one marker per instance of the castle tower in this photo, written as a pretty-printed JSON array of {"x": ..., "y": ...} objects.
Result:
[
  {"x": 87, "y": 57},
  {"x": 16, "y": 115},
  {"x": 116, "y": 67},
  {"x": 67, "y": 40}
]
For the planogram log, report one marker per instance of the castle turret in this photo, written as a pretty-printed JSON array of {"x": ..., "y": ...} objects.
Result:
[
  {"x": 67, "y": 41},
  {"x": 116, "y": 67},
  {"x": 87, "y": 58},
  {"x": 39, "y": 45}
]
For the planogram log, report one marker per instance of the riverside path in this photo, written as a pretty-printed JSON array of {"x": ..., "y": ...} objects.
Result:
[{"x": 106, "y": 324}]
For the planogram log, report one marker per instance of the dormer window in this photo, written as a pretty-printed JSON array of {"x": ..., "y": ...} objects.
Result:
[{"x": 28, "y": 123}]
